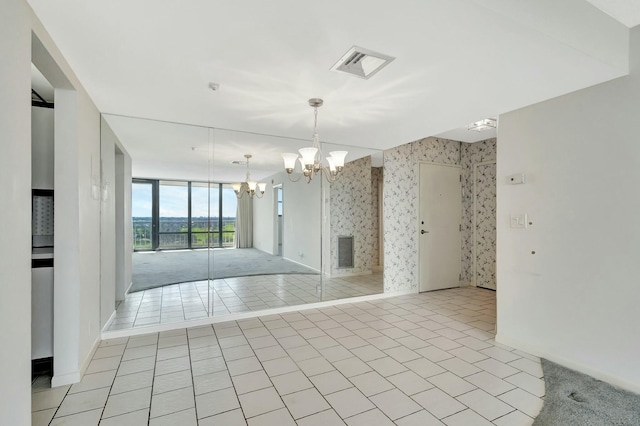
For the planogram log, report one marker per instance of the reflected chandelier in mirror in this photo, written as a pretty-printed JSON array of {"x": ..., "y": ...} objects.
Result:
[{"x": 249, "y": 186}]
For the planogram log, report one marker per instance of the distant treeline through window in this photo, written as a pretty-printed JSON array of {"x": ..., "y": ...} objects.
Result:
[{"x": 182, "y": 214}]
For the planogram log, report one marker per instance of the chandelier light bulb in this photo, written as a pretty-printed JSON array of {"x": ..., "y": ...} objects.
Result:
[
  {"x": 249, "y": 186},
  {"x": 338, "y": 158},
  {"x": 308, "y": 155},
  {"x": 289, "y": 161},
  {"x": 311, "y": 161},
  {"x": 332, "y": 165}
]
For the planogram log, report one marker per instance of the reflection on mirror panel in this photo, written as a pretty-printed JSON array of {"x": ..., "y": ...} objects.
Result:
[
  {"x": 209, "y": 240},
  {"x": 276, "y": 261},
  {"x": 352, "y": 228},
  {"x": 172, "y": 201}
]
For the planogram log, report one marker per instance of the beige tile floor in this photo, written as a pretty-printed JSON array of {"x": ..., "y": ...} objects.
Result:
[
  {"x": 180, "y": 302},
  {"x": 423, "y": 359}
]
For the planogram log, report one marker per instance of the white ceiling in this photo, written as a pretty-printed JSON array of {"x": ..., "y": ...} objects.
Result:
[
  {"x": 178, "y": 151},
  {"x": 457, "y": 61},
  {"x": 625, "y": 11}
]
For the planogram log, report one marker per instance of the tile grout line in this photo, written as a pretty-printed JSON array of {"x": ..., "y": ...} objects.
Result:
[
  {"x": 395, "y": 311},
  {"x": 153, "y": 378},
  {"x": 114, "y": 378},
  {"x": 58, "y": 407},
  {"x": 193, "y": 384}
]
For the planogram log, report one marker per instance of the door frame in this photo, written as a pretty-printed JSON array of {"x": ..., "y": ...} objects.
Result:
[
  {"x": 474, "y": 221},
  {"x": 417, "y": 186},
  {"x": 276, "y": 225}
]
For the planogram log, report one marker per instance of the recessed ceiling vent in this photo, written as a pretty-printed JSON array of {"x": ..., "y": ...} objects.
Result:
[
  {"x": 363, "y": 63},
  {"x": 239, "y": 162}
]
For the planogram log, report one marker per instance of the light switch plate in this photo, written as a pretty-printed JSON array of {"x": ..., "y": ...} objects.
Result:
[{"x": 518, "y": 221}]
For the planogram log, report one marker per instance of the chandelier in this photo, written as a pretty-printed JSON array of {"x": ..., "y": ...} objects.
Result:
[
  {"x": 249, "y": 186},
  {"x": 311, "y": 160}
]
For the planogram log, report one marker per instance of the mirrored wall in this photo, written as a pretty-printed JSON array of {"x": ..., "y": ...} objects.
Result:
[{"x": 202, "y": 245}]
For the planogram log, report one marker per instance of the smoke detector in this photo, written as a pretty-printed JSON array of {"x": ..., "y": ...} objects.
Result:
[{"x": 361, "y": 62}]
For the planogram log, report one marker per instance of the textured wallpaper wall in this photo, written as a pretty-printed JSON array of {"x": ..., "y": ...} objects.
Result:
[
  {"x": 350, "y": 206},
  {"x": 400, "y": 204},
  {"x": 472, "y": 154},
  {"x": 376, "y": 183}
]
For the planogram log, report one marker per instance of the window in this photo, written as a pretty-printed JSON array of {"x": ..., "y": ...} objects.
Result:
[
  {"x": 174, "y": 215},
  {"x": 228, "y": 216},
  {"x": 179, "y": 215},
  {"x": 142, "y": 212}
]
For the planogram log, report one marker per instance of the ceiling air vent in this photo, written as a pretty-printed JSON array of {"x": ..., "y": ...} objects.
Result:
[
  {"x": 239, "y": 162},
  {"x": 361, "y": 62}
]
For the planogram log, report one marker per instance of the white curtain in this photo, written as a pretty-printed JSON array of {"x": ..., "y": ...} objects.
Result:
[{"x": 244, "y": 223}]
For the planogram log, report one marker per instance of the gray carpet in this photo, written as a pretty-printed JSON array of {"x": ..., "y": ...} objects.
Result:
[
  {"x": 157, "y": 269},
  {"x": 574, "y": 398}
]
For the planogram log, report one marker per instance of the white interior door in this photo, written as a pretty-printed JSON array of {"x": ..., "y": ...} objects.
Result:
[
  {"x": 484, "y": 210},
  {"x": 439, "y": 226}
]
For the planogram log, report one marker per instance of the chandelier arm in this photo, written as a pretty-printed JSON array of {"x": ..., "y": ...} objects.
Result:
[
  {"x": 330, "y": 176},
  {"x": 294, "y": 180}
]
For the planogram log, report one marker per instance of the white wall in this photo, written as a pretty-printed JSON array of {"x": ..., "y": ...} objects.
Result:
[
  {"x": 77, "y": 225},
  {"x": 575, "y": 300},
  {"x": 124, "y": 226},
  {"x": 42, "y": 148},
  {"x": 116, "y": 223},
  {"x": 264, "y": 220},
  {"x": 15, "y": 214},
  {"x": 107, "y": 224},
  {"x": 301, "y": 216}
]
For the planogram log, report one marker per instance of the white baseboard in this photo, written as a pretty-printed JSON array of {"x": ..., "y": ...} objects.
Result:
[
  {"x": 109, "y": 321},
  {"x": 65, "y": 379},
  {"x": 76, "y": 376},
  {"x": 302, "y": 264},
  {"x": 245, "y": 315},
  {"x": 128, "y": 288},
  {"x": 542, "y": 353},
  {"x": 89, "y": 357},
  {"x": 351, "y": 274}
]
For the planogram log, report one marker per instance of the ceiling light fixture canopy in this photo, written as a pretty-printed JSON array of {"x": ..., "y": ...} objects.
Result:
[
  {"x": 311, "y": 159},
  {"x": 249, "y": 187},
  {"x": 486, "y": 124}
]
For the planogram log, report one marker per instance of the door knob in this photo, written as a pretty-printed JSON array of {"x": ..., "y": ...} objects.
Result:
[{"x": 424, "y": 232}]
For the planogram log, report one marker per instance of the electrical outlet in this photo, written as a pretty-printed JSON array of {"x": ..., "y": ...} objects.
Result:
[{"x": 516, "y": 179}]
